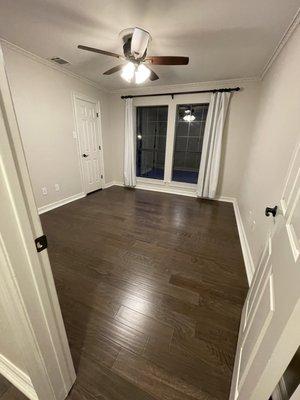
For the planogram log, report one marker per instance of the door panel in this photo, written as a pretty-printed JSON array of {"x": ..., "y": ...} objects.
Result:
[
  {"x": 257, "y": 326},
  {"x": 258, "y": 279},
  {"x": 293, "y": 225},
  {"x": 292, "y": 180},
  {"x": 270, "y": 329},
  {"x": 89, "y": 144}
]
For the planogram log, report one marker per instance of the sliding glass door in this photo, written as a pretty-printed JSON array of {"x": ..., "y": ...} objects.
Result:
[
  {"x": 151, "y": 137},
  {"x": 169, "y": 139}
]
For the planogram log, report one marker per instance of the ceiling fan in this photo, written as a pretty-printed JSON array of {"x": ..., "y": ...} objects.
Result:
[{"x": 135, "y": 43}]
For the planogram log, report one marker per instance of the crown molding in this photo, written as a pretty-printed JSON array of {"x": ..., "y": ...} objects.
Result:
[
  {"x": 168, "y": 88},
  {"x": 5, "y": 43},
  {"x": 185, "y": 86},
  {"x": 283, "y": 41}
]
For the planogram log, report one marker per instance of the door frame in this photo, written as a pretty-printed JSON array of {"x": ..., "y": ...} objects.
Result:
[
  {"x": 79, "y": 96},
  {"x": 27, "y": 286}
]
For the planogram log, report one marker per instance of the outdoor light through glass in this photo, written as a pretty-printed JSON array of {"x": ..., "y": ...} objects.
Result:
[{"x": 189, "y": 117}]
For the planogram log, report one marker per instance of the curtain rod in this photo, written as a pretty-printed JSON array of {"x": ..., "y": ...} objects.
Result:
[{"x": 236, "y": 89}]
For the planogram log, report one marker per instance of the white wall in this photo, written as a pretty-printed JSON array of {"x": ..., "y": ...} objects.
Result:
[
  {"x": 43, "y": 101},
  {"x": 276, "y": 133},
  {"x": 237, "y": 134}
]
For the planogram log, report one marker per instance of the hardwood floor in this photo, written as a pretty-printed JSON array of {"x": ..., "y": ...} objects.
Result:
[{"x": 151, "y": 288}]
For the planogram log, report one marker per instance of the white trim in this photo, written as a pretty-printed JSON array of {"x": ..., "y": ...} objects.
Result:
[
  {"x": 226, "y": 199},
  {"x": 248, "y": 260},
  {"x": 59, "y": 203},
  {"x": 17, "y": 377},
  {"x": 9, "y": 45},
  {"x": 283, "y": 41},
  {"x": 109, "y": 184},
  {"x": 113, "y": 183}
]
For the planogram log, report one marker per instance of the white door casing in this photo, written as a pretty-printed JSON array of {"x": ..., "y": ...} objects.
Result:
[
  {"x": 27, "y": 284},
  {"x": 88, "y": 127},
  {"x": 270, "y": 326}
]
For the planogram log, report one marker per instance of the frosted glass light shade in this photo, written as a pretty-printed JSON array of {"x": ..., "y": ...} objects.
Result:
[
  {"x": 141, "y": 74},
  {"x": 128, "y": 72}
]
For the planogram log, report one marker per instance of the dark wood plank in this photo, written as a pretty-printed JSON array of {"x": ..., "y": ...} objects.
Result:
[
  {"x": 151, "y": 288},
  {"x": 4, "y": 385},
  {"x": 156, "y": 380},
  {"x": 145, "y": 324},
  {"x": 13, "y": 394}
]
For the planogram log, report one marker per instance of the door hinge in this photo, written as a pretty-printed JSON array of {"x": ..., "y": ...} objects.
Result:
[
  {"x": 97, "y": 115},
  {"x": 41, "y": 243},
  {"x": 101, "y": 176},
  {"x": 99, "y": 147}
]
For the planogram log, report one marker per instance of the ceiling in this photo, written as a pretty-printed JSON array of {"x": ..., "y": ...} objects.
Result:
[{"x": 225, "y": 39}]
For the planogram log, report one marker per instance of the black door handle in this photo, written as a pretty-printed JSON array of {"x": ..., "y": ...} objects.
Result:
[
  {"x": 84, "y": 155},
  {"x": 270, "y": 210}
]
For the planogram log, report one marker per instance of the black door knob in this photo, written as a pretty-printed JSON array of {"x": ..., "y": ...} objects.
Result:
[
  {"x": 84, "y": 155},
  {"x": 270, "y": 210}
]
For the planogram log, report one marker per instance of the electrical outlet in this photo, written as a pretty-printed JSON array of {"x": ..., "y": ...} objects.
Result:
[
  {"x": 44, "y": 191},
  {"x": 56, "y": 187}
]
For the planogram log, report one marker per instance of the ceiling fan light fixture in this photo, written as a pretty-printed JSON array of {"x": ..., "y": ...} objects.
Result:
[
  {"x": 142, "y": 73},
  {"x": 128, "y": 72}
]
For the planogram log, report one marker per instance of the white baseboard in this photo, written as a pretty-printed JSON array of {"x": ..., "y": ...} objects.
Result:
[
  {"x": 112, "y": 183},
  {"x": 17, "y": 377},
  {"x": 248, "y": 260},
  {"x": 108, "y": 185},
  {"x": 60, "y": 203}
]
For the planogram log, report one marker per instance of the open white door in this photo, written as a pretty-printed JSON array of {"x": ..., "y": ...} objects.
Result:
[
  {"x": 27, "y": 285},
  {"x": 270, "y": 327}
]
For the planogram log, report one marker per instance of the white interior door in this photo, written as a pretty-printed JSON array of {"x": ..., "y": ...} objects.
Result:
[
  {"x": 270, "y": 326},
  {"x": 89, "y": 143},
  {"x": 27, "y": 289}
]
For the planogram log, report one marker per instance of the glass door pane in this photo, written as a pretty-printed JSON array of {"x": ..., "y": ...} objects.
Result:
[
  {"x": 151, "y": 134},
  {"x": 189, "y": 132}
]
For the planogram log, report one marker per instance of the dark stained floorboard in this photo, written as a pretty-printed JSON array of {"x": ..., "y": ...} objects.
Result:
[{"x": 151, "y": 288}]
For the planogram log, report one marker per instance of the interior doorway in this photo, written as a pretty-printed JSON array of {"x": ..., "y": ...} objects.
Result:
[{"x": 90, "y": 148}]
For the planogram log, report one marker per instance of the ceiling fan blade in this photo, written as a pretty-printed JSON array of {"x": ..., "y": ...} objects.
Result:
[
  {"x": 167, "y": 60},
  {"x": 113, "y": 70},
  {"x": 106, "y": 53},
  {"x": 153, "y": 76}
]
